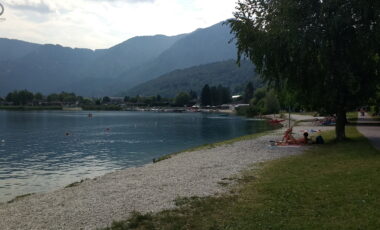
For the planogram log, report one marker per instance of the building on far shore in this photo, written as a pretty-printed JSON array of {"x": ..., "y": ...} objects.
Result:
[
  {"x": 116, "y": 100},
  {"x": 237, "y": 97},
  {"x": 240, "y": 105}
]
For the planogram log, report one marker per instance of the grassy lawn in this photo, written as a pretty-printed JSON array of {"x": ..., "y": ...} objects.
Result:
[
  {"x": 352, "y": 116},
  {"x": 332, "y": 186}
]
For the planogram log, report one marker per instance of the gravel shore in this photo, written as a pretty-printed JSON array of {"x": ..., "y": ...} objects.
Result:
[{"x": 153, "y": 187}]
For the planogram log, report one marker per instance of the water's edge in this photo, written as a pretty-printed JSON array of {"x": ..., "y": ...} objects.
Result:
[{"x": 164, "y": 157}]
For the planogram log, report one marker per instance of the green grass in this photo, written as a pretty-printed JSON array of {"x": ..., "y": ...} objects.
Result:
[
  {"x": 213, "y": 145},
  {"x": 332, "y": 186},
  {"x": 352, "y": 116}
]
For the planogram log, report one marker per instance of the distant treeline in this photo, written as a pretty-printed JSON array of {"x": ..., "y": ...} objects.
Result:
[
  {"x": 215, "y": 95},
  {"x": 260, "y": 100},
  {"x": 212, "y": 96},
  {"x": 25, "y": 97}
]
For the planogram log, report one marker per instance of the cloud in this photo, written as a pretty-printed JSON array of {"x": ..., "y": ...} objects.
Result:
[
  {"x": 125, "y": 1},
  {"x": 104, "y": 23},
  {"x": 31, "y": 5}
]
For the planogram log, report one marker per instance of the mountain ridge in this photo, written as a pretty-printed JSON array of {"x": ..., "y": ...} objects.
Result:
[
  {"x": 226, "y": 73},
  {"x": 50, "y": 68}
]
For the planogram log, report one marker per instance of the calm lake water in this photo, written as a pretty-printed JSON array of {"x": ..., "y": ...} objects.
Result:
[{"x": 42, "y": 151}]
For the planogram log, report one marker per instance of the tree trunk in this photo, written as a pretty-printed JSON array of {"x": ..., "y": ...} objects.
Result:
[{"x": 340, "y": 125}]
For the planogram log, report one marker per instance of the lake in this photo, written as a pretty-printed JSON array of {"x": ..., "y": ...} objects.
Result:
[{"x": 45, "y": 150}]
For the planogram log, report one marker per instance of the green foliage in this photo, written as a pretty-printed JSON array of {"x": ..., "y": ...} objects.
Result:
[
  {"x": 38, "y": 97},
  {"x": 22, "y": 97},
  {"x": 193, "y": 95},
  {"x": 333, "y": 186},
  {"x": 375, "y": 102},
  {"x": 214, "y": 96},
  {"x": 27, "y": 108},
  {"x": 67, "y": 97},
  {"x": 271, "y": 103},
  {"x": 248, "y": 92},
  {"x": 182, "y": 99},
  {"x": 206, "y": 95},
  {"x": 248, "y": 111},
  {"x": 327, "y": 52},
  {"x": 263, "y": 102},
  {"x": 52, "y": 97},
  {"x": 287, "y": 100},
  {"x": 106, "y": 99},
  {"x": 86, "y": 101},
  {"x": 64, "y": 97}
]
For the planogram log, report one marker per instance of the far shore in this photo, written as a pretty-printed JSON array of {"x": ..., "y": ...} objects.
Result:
[{"x": 119, "y": 108}]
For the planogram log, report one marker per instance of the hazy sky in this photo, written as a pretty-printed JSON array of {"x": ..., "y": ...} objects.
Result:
[{"x": 103, "y": 23}]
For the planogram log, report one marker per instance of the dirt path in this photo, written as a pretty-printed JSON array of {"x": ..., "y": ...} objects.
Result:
[{"x": 370, "y": 128}]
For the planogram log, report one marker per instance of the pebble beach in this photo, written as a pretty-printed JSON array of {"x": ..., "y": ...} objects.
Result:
[{"x": 96, "y": 203}]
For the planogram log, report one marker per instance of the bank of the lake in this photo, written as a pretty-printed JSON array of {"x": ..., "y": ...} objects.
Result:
[
  {"x": 334, "y": 186},
  {"x": 42, "y": 151},
  {"x": 150, "y": 188}
]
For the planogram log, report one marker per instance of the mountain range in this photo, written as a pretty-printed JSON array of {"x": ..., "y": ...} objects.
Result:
[
  {"x": 225, "y": 73},
  {"x": 119, "y": 69}
]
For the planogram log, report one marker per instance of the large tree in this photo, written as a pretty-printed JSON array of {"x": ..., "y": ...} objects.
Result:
[
  {"x": 182, "y": 99},
  {"x": 325, "y": 52},
  {"x": 20, "y": 97},
  {"x": 206, "y": 96}
]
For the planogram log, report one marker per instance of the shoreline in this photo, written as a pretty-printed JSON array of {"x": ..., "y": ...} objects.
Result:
[
  {"x": 116, "y": 108},
  {"x": 154, "y": 160},
  {"x": 64, "y": 172},
  {"x": 95, "y": 203}
]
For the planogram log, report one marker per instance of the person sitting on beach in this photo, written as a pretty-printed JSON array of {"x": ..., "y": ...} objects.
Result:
[
  {"x": 305, "y": 138},
  {"x": 289, "y": 139}
]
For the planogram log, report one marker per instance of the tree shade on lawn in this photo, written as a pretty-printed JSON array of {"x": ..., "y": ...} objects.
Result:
[{"x": 326, "y": 52}]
